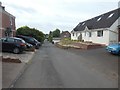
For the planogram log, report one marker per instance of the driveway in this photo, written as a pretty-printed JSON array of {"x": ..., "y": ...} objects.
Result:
[
  {"x": 11, "y": 71},
  {"x": 52, "y": 67},
  {"x": 24, "y": 57}
]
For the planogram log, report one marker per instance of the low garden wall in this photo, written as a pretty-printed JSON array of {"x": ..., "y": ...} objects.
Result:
[{"x": 79, "y": 45}]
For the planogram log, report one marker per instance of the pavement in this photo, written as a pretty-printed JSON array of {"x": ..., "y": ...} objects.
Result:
[
  {"x": 52, "y": 67},
  {"x": 12, "y": 71}
]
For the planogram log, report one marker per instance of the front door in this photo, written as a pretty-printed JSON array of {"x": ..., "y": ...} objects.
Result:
[{"x": 80, "y": 37}]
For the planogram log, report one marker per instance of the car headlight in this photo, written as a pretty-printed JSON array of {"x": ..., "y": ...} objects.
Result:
[{"x": 114, "y": 48}]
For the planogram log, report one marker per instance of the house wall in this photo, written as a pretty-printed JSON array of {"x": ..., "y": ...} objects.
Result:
[
  {"x": 56, "y": 40},
  {"x": 6, "y": 20},
  {"x": 113, "y": 38},
  {"x": 0, "y": 22},
  {"x": 75, "y": 36},
  {"x": 65, "y": 35},
  {"x": 94, "y": 38}
]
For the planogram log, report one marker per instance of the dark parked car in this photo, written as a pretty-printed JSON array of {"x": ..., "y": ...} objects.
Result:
[
  {"x": 13, "y": 44},
  {"x": 30, "y": 40},
  {"x": 28, "y": 45}
]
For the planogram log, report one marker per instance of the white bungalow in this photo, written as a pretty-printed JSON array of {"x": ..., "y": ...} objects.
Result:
[{"x": 102, "y": 29}]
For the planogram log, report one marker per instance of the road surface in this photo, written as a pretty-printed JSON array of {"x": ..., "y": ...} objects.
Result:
[{"x": 52, "y": 67}]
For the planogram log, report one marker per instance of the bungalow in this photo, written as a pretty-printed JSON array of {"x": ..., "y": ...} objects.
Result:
[
  {"x": 7, "y": 23},
  {"x": 103, "y": 29},
  {"x": 65, "y": 34}
]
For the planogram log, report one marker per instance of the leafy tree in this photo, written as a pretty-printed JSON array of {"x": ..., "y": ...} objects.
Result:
[
  {"x": 56, "y": 33},
  {"x": 27, "y": 31},
  {"x": 50, "y": 37}
]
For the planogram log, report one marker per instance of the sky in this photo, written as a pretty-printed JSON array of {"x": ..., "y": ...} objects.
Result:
[{"x": 48, "y": 15}]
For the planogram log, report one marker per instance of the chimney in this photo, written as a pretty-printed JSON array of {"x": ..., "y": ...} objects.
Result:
[{"x": 2, "y": 6}]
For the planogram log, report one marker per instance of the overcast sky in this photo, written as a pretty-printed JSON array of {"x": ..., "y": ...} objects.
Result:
[{"x": 47, "y": 15}]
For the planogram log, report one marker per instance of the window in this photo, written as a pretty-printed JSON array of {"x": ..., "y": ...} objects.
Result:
[
  {"x": 3, "y": 39},
  {"x": 83, "y": 23},
  {"x": 90, "y": 34},
  {"x": 76, "y": 34},
  {"x": 11, "y": 23},
  {"x": 10, "y": 40},
  {"x": 99, "y": 19},
  {"x": 85, "y": 33},
  {"x": 73, "y": 34},
  {"x": 100, "y": 33},
  {"x": 110, "y": 15}
]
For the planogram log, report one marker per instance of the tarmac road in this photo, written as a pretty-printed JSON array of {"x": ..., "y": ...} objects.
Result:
[{"x": 52, "y": 67}]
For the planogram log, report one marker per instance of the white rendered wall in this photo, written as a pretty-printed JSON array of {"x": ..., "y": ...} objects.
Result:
[
  {"x": 76, "y": 35},
  {"x": 95, "y": 39},
  {"x": 113, "y": 38}
]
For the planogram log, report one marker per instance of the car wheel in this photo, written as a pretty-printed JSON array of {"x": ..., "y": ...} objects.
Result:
[
  {"x": 16, "y": 50},
  {"x": 119, "y": 53},
  {"x": 37, "y": 47}
]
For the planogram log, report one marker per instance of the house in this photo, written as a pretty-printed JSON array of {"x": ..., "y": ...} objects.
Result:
[
  {"x": 7, "y": 23},
  {"x": 65, "y": 34},
  {"x": 102, "y": 29}
]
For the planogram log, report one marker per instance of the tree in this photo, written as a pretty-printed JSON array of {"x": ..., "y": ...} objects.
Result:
[
  {"x": 56, "y": 33},
  {"x": 27, "y": 31},
  {"x": 50, "y": 36}
]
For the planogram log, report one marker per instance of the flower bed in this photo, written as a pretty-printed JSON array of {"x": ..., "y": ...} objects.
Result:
[
  {"x": 79, "y": 45},
  {"x": 10, "y": 59}
]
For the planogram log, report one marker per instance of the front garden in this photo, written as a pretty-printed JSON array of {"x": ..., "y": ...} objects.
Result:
[{"x": 68, "y": 43}]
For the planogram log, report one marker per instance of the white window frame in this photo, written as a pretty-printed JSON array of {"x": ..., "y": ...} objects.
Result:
[
  {"x": 90, "y": 34},
  {"x": 100, "y": 33}
]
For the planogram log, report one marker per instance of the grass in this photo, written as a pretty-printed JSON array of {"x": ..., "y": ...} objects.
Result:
[{"x": 66, "y": 41}]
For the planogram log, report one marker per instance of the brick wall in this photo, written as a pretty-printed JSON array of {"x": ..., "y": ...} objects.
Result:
[{"x": 7, "y": 21}]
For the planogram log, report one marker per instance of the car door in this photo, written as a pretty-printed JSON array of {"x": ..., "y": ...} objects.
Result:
[
  {"x": 4, "y": 44},
  {"x": 11, "y": 43},
  {"x": 8, "y": 44}
]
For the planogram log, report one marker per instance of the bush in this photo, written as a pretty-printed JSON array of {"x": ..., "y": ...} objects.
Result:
[{"x": 25, "y": 30}]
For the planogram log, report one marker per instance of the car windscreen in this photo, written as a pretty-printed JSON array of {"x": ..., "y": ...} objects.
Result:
[
  {"x": 35, "y": 40},
  {"x": 19, "y": 41},
  {"x": 31, "y": 39}
]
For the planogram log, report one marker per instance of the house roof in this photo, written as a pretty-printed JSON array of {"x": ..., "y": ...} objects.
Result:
[
  {"x": 4, "y": 11},
  {"x": 102, "y": 21},
  {"x": 64, "y": 32}
]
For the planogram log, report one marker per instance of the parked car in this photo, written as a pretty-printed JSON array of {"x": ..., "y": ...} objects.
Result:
[
  {"x": 28, "y": 45},
  {"x": 114, "y": 48},
  {"x": 30, "y": 40},
  {"x": 13, "y": 44}
]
